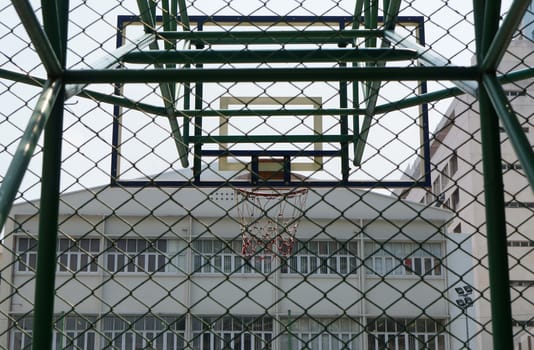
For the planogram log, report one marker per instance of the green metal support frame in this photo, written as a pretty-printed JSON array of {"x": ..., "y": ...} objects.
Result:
[
  {"x": 55, "y": 20},
  {"x": 51, "y": 45},
  {"x": 486, "y": 15},
  {"x": 26, "y": 147}
]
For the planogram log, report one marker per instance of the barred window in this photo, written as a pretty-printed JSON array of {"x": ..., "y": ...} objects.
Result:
[
  {"x": 21, "y": 334},
  {"x": 138, "y": 255},
  {"x": 217, "y": 256},
  {"x": 26, "y": 249},
  {"x": 400, "y": 334},
  {"x": 78, "y": 256},
  {"x": 144, "y": 332},
  {"x": 228, "y": 332},
  {"x": 521, "y": 243},
  {"x": 322, "y": 257},
  {"x": 403, "y": 259},
  {"x": 70, "y": 332},
  {"x": 453, "y": 164},
  {"x": 73, "y": 255},
  {"x": 321, "y": 333},
  {"x": 74, "y": 332}
]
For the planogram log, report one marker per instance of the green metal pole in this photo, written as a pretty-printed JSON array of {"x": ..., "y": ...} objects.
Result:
[
  {"x": 271, "y": 74},
  {"x": 55, "y": 20},
  {"x": 274, "y": 37},
  {"x": 486, "y": 24},
  {"x": 274, "y": 56},
  {"x": 271, "y": 138},
  {"x": 24, "y": 152},
  {"x": 48, "y": 227}
]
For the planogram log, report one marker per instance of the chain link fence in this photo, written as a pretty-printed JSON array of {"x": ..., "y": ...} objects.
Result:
[{"x": 236, "y": 174}]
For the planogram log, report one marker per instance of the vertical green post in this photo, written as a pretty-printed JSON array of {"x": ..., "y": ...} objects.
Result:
[
  {"x": 486, "y": 24},
  {"x": 55, "y": 19}
]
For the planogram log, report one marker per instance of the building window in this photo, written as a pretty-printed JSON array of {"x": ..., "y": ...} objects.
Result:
[
  {"x": 78, "y": 256},
  {"x": 74, "y": 332},
  {"x": 522, "y": 243},
  {"x": 397, "y": 334},
  {"x": 453, "y": 164},
  {"x": 403, "y": 259},
  {"x": 517, "y": 204},
  {"x": 144, "y": 332},
  {"x": 230, "y": 332},
  {"x": 321, "y": 333},
  {"x": 428, "y": 197},
  {"x": 217, "y": 256},
  {"x": 26, "y": 249},
  {"x": 436, "y": 186},
  {"x": 322, "y": 257},
  {"x": 73, "y": 255},
  {"x": 141, "y": 255},
  {"x": 522, "y": 283},
  {"x": 445, "y": 177},
  {"x": 523, "y": 323},
  {"x": 70, "y": 332},
  {"x": 21, "y": 331},
  {"x": 515, "y": 93},
  {"x": 511, "y": 166},
  {"x": 455, "y": 199}
]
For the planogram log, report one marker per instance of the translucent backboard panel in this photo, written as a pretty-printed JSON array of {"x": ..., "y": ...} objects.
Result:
[{"x": 320, "y": 128}]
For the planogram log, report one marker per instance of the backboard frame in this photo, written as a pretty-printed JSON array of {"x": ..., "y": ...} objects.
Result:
[{"x": 198, "y": 152}]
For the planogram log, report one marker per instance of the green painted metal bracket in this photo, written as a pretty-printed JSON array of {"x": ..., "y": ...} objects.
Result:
[
  {"x": 38, "y": 37},
  {"x": 271, "y": 74},
  {"x": 24, "y": 152},
  {"x": 272, "y": 37},
  {"x": 356, "y": 18},
  {"x": 504, "y": 35},
  {"x": 271, "y": 56},
  {"x": 513, "y": 128},
  {"x": 112, "y": 59},
  {"x": 270, "y": 138},
  {"x": 373, "y": 87},
  {"x": 429, "y": 59},
  {"x": 183, "y": 15},
  {"x": 168, "y": 93}
]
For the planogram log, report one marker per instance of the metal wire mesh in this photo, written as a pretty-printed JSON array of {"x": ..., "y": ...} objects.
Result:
[{"x": 121, "y": 227}]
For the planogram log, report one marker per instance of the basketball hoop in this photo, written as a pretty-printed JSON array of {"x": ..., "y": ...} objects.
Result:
[{"x": 269, "y": 220}]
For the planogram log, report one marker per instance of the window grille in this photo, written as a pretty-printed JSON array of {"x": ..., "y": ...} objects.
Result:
[
  {"x": 403, "y": 259},
  {"x": 322, "y": 333},
  {"x": 74, "y": 255},
  {"x": 229, "y": 332},
  {"x": 216, "y": 256},
  {"x": 323, "y": 257},
  {"x": 398, "y": 334},
  {"x": 143, "y": 332},
  {"x": 137, "y": 255}
]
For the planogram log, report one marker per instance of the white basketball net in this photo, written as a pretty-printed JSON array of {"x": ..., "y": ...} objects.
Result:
[{"x": 269, "y": 220}]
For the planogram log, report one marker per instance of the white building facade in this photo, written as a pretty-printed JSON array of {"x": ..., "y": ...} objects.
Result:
[{"x": 162, "y": 269}]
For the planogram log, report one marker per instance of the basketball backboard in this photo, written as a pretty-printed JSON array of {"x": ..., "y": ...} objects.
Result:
[{"x": 317, "y": 127}]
